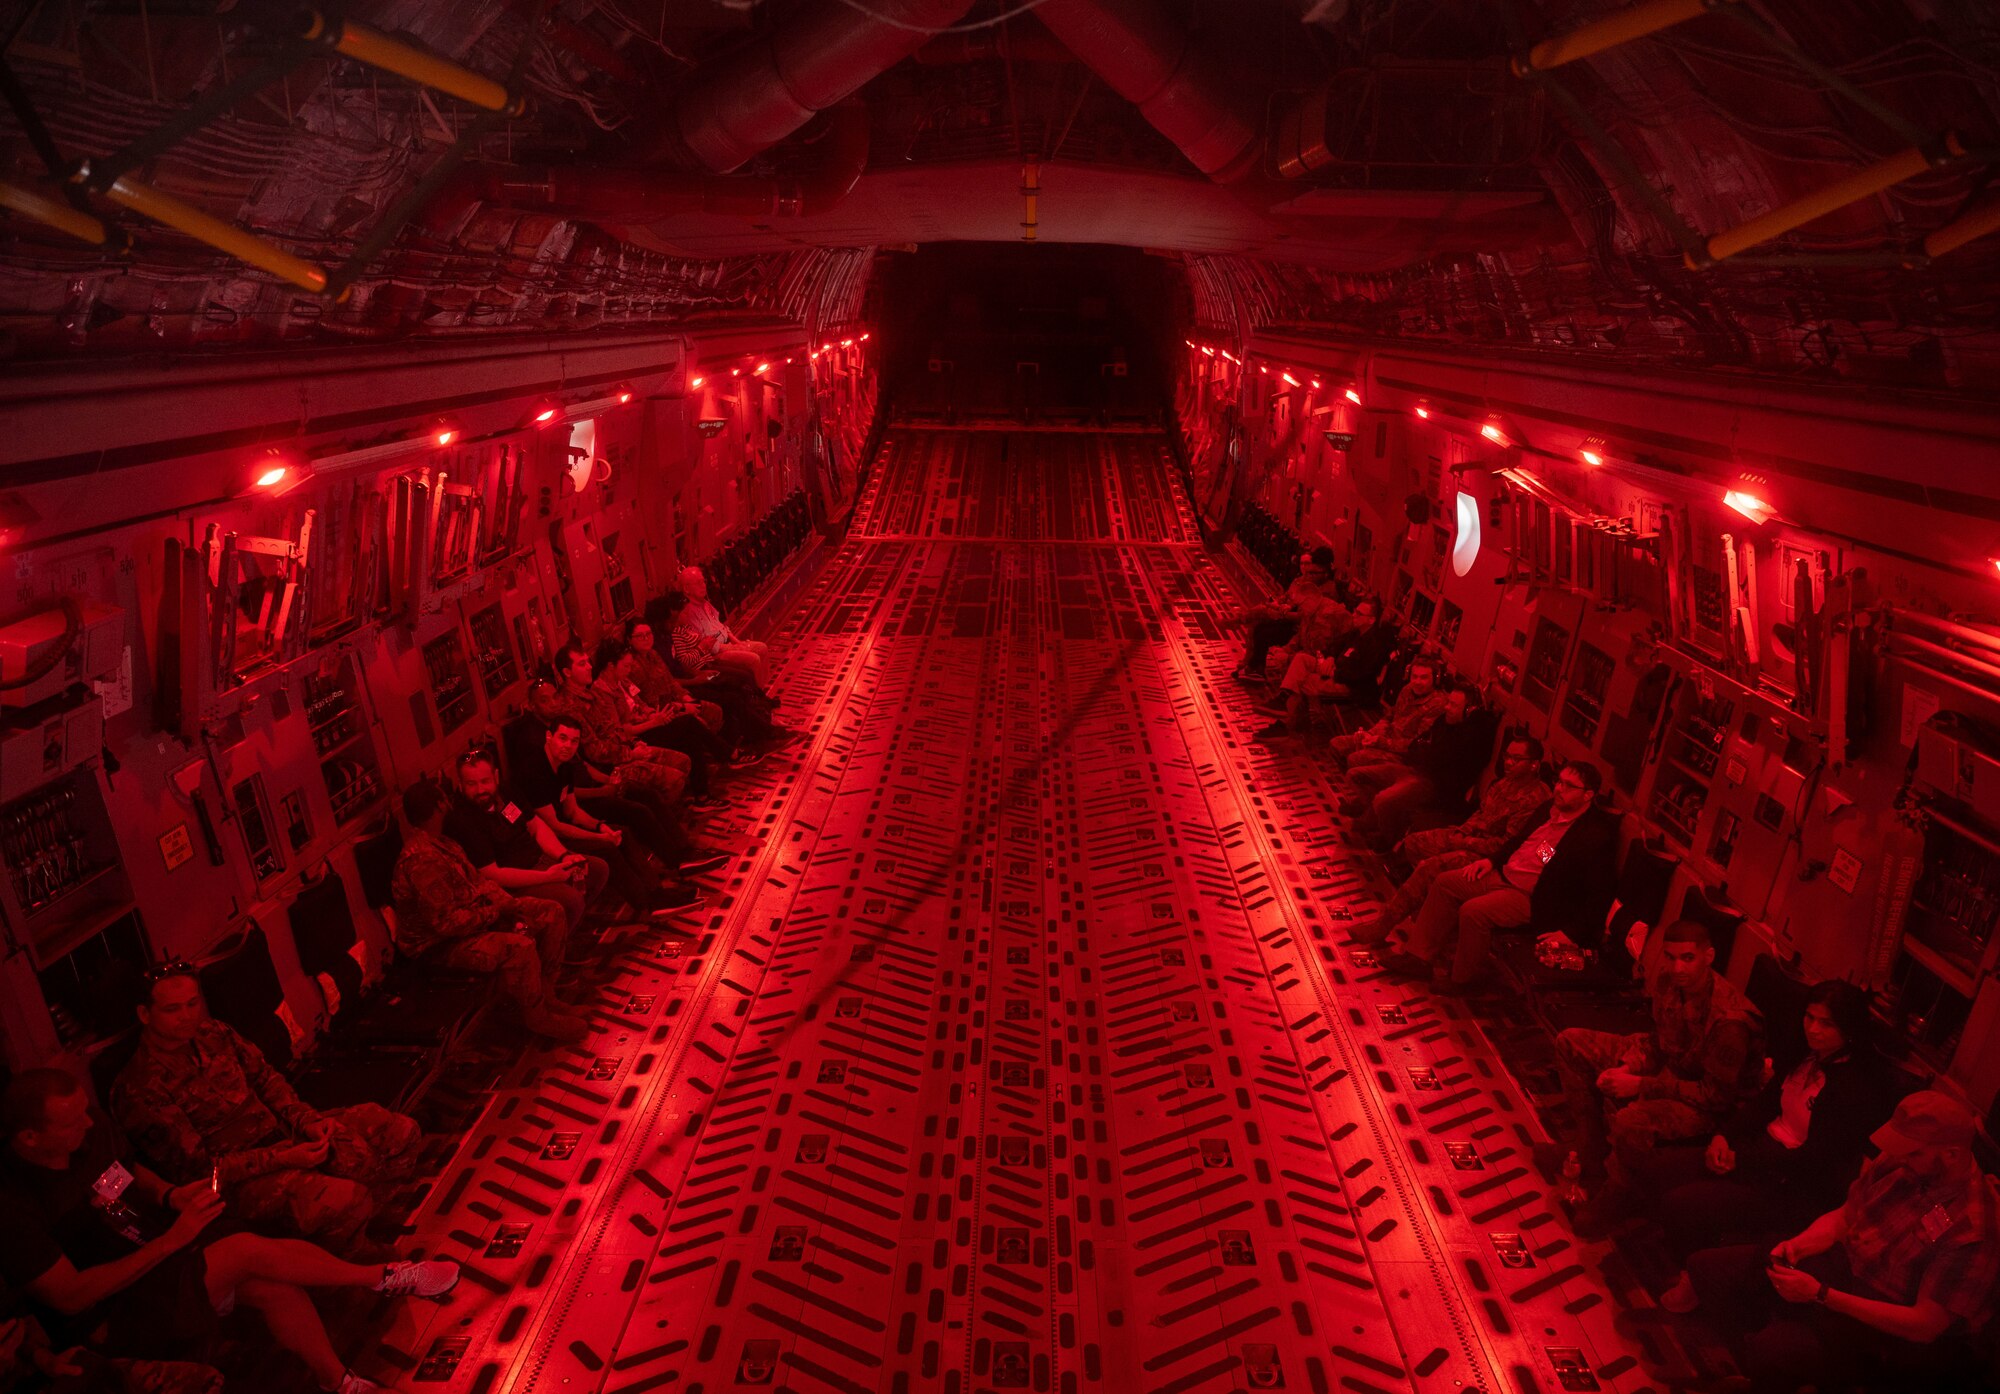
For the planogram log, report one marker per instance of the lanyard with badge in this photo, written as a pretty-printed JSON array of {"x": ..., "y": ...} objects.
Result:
[{"x": 107, "y": 1193}]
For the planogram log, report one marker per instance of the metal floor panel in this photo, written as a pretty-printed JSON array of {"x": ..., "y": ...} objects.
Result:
[{"x": 1021, "y": 1047}]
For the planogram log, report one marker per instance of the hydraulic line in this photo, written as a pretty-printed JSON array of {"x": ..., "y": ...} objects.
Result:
[
  {"x": 1861, "y": 184},
  {"x": 1612, "y": 31},
  {"x": 378, "y": 50},
  {"x": 161, "y": 207},
  {"x": 51, "y": 211},
  {"x": 1953, "y": 235}
]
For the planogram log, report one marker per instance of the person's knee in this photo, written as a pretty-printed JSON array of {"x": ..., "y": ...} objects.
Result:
[
  {"x": 1632, "y": 1129},
  {"x": 1571, "y": 1045},
  {"x": 334, "y": 1209}
]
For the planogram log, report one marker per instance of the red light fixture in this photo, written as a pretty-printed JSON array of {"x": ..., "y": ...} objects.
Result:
[
  {"x": 1207, "y": 352},
  {"x": 762, "y": 368},
  {"x": 864, "y": 338},
  {"x": 1423, "y": 412},
  {"x": 1591, "y": 452},
  {"x": 1315, "y": 384},
  {"x": 1996, "y": 563},
  {"x": 1491, "y": 430},
  {"x": 274, "y": 472},
  {"x": 1352, "y": 396},
  {"x": 623, "y": 398},
  {"x": 847, "y": 343},
  {"x": 696, "y": 381},
  {"x": 1290, "y": 379},
  {"x": 1750, "y": 506},
  {"x": 545, "y": 414}
]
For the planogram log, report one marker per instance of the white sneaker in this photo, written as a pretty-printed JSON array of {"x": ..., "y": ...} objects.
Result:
[
  {"x": 351, "y": 1383},
  {"x": 428, "y": 1278}
]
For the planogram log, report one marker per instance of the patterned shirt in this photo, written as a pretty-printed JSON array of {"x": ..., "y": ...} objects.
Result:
[
  {"x": 1907, "y": 1239},
  {"x": 1322, "y": 620},
  {"x": 439, "y": 894},
  {"x": 1504, "y": 810},
  {"x": 690, "y": 652},
  {"x": 606, "y": 708},
  {"x": 219, "y": 1104},
  {"x": 658, "y": 687},
  {"x": 1700, "y": 1048},
  {"x": 1409, "y": 718}
]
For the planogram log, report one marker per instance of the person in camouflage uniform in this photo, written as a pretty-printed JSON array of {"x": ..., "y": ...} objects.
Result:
[
  {"x": 1509, "y": 801},
  {"x": 1420, "y": 703},
  {"x": 658, "y": 687},
  {"x": 606, "y": 747},
  {"x": 198, "y": 1100},
  {"x": 29, "y": 1363},
  {"x": 449, "y": 914}
]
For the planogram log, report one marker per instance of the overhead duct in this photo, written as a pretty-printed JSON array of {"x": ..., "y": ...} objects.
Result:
[
  {"x": 747, "y": 101},
  {"x": 644, "y": 195},
  {"x": 1159, "y": 66}
]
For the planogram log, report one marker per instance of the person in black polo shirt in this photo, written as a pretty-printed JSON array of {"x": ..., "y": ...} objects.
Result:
[
  {"x": 96, "y": 1241},
  {"x": 547, "y": 778},
  {"x": 512, "y": 848}
]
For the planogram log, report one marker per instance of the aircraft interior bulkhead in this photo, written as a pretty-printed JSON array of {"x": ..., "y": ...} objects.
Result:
[{"x": 1092, "y": 696}]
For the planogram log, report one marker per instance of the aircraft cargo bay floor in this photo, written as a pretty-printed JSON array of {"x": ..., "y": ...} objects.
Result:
[{"x": 1022, "y": 1046}]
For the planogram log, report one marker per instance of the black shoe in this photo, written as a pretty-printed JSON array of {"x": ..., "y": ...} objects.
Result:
[
  {"x": 706, "y": 803},
  {"x": 1401, "y": 964},
  {"x": 744, "y": 759},
  {"x": 1244, "y": 675},
  {"x": 678, "y": 896},
  {"x": 1272, "y": 732},
  {"x": 699, "y": 861}
]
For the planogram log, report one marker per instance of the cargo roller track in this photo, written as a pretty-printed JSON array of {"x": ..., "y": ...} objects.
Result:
[{"x": 1022, "y": 1047}]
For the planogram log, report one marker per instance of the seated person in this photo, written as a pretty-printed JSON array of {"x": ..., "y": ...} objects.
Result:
[
  {"x": 450, "y": 915},
  {"x": 658, "y": 688},
  {"x": 1374, "y": 756},
  {"x": 1886, "y": 1288},
  {"x": 512, "y": 848},
  {"x": 1436, "y": 772},
  {"x": 1515, "y": 794},
  {"x": 679, "y": 730},
  {"x": 30, "y": 1364},
  {"x": 1324, "y": 621},
  {"x": 1789, "y": 1154},
  {"x": 1685, "y": 1078},
  {"x": 605, "y": 744},
  {"x": 549, "y": 781},
  {"x": 1351, "y": 674},
  {"x": 1276, "y": 621},
  {"x": 97, "y": 1240},
  {"x": 202, "y": 1103},
  {"x": 746, "y": 707},
  {"x": 1559, "y": 871},
  {"x": 721, "y": 643}
]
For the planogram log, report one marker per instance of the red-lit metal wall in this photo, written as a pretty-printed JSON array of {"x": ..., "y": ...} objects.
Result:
[{"x": 437, "y": 577}]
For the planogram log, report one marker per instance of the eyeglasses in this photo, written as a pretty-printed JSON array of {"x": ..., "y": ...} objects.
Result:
[
  {"x": 169, "y": 968},
  {"x": 1575, "y": 784}
]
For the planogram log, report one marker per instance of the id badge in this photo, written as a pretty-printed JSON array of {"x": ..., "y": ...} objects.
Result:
[
  {"x": 1935, "y": 1223},
  {"x": 512, "y": 813},
  {"x": 111, "y": 1184}
]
